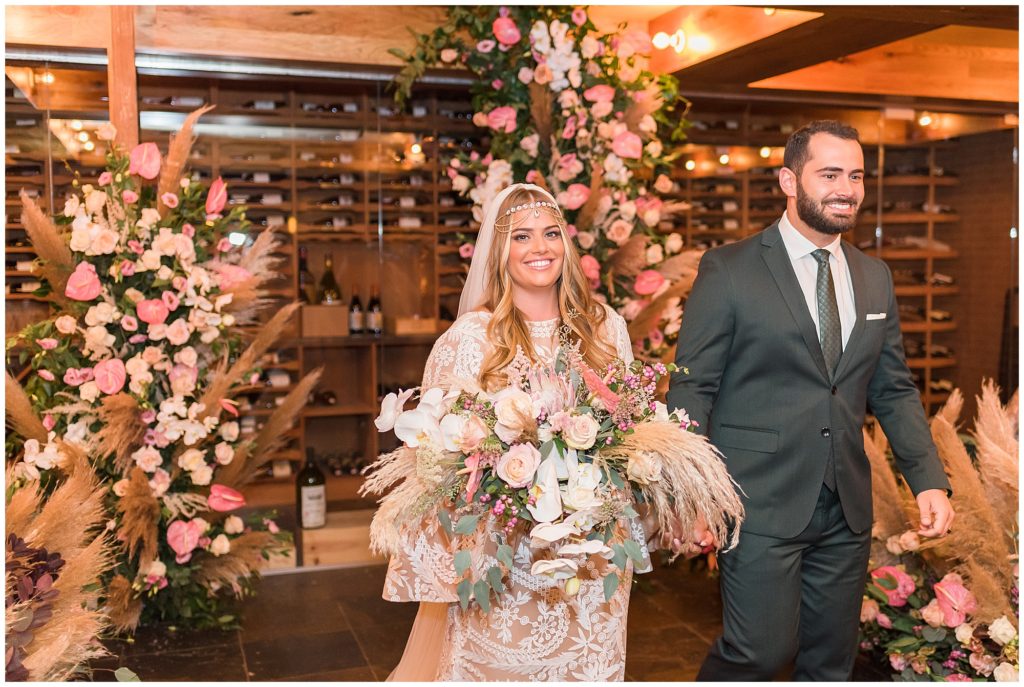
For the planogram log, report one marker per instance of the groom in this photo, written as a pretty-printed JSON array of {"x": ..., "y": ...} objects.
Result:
[{"x": 787, "y": 338}]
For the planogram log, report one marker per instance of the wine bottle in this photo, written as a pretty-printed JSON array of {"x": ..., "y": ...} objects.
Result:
[
  {"x": 307, "y": 285},
  {"x": 374, "y": 314},
  {"x": 356, "y": 320},
  {"x": 328, "y": 293},
  {"x": 311, "y": 490}
]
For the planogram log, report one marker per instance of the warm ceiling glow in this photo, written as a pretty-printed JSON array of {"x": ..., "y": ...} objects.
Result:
[
  {"x": 88, "y": 145},
  {"x": 46, "y": 78},
  {"x": 76, "y": 124},
  {"x": 924, "y": 120},
  {"x": 701, "y": 43},
  {"x": 766, "y": 152},
  {"x": 83, "y": 136},
  {"x": 416, "y": 149},
  {"x": 723, "y": 159},
  {"x": 677, "y": 40},
  {"x": 690, "y": 165},
  {"x": 769, "y": 11}
]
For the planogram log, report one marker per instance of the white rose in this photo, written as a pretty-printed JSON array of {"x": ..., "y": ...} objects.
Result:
[
  {"x": 81, "y": 239},
  {"x": 586, "y": 240},
  {"x": 104, "y": 242},
  {"x": 101, "y": 313},
  {"x": 1002, "y": 631},
  {"x": 136, "y": 366},
  {"x": 580, "y": 431},
  {"x": 627, "y": 210},
  {"x": 148, "y": 458},
  {"x": 932, "y": 614},
  {"x": 150, "y": 216},
  {"x": 652, "y": 217},
  {"x": 71, "y": 206},
  {"x": 66, "y": 324},
  {"x": 98, "y": 338},
  {"x": 89, "y": 391},
  {"x": 460, "y": 184},
  {"x": 156, "y": 569},
  {"x": 220, "y": 545},
  {"x": 234, "y": 525},
  {"x": 643, "y": 468},
  {"x": 179, "y": 332},
  {"x": 655, "y": 254},
  {"x": 76, "y": 432},
  {"x": 224, "y": 453},
  {"x": 191, "y": 459},
  {"x": 1005, "y": 672},
  {"x": 530, "y": 144},
  {"x": 674, "y": 243},
  {"x": 654, "y": 148},
  {"x": 964, "y": 633},
  {"x": 202, "y": 475},
  {"x": 95, "y": 201},
  {"x": 150, "y": 260},
  {"x": 647, "y": 124},
  {"x": 229, "y": 431}
]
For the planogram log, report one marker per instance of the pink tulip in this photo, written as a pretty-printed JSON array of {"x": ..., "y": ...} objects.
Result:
[
  {"x": 648, "y": 282},
  {"x": 506, "y": 31},
  {"x": 129, "y": 196},
  {"x": 145, "y": 161},
  {"x": 574, "y": 197},
  {"x": 224, "y": 499},
  {"x": 110, "y": 375},
  {"x": 47, "y": 344},
  {"x": 955, "y": 600},
  {"x": 83, "y": 284},
  {"x": 183, "y": 537},
  {"x": 904, "y": 584},
  {"x": 217, "y": 197},
  {"x": 502, "y": 119},
  {"x": 46, "y": 374},
  {"x": 628, "y": 145},
  {"x": 171, "y": 300},
  {"x": 599, "y": 93},
  {"x": 152, "y": 311}
]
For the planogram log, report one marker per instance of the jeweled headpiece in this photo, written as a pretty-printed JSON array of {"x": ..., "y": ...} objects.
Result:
[{"x": 517, "y": 214}]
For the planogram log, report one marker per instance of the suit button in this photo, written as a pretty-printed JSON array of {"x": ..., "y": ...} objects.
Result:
[
  {"x": 826, "y": 432},
  {"x": 834, "y": 390}
]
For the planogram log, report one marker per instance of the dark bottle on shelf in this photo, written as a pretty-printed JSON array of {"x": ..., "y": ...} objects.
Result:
[
  {"x": 307, "y": 285},
  {"x": 356, "y": 319},
  {"x": 374, "y": 314},
  {"x": 328, "y": 293},
  {"x": 311, "y": 494}
]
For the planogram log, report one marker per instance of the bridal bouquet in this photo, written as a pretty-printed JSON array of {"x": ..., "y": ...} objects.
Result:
[{"x": 561, "y": 454}]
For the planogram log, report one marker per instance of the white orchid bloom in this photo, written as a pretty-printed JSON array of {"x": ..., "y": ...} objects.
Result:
[
  {"x": 548, "y": 500},
  {"x": 415, "y": 427},
  {"x": 452, "y": 427},
  {"x": 660, "y": 412},
  {"x": 391, "y": 408},
  {"x": 558, "y": 569},
  {"x": 547, "y": 533},
  {"x": 587, "y": 548}
]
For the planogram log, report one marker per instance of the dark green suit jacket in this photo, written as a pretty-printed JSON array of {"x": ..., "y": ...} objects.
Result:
[{"x": 756, "y": 382}]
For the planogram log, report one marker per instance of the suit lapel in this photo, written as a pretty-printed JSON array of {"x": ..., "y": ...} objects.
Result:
[
  {"x": 773, "y": 252},
  {"x": 860, "y": 300}
]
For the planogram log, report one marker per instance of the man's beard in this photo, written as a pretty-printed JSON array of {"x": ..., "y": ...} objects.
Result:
[{"x": 812, "y": 212}]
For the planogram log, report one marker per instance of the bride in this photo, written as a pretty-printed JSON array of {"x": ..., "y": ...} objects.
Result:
[{"x": 525, "y": 289}]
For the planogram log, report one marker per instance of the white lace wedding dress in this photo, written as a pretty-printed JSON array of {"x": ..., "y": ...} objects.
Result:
[{"x": 534, "y": 631}]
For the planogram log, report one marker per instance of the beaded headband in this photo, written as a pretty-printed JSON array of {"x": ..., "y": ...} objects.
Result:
[
  {"x": 508, "y": 222},
  {"x": 531, "y": 206}
]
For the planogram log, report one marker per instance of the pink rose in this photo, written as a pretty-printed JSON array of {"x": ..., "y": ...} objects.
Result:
[
  {"x": 466, "y": 251},
  {"x": 955, "y": 601},
  {"x": 183, "y": 537},
  {"x": 127, "y": 268},
  {"x": 129, "y": 196},
  {"x": 178, "y": 333},
  {"x": 647, "y": 282},
  {"x": 957, "y": 677},
  {"x": 145, "y": 161},
  {"x": 171, "y": 300},
  {"x": 517, "y": 467},
  {"x": 110, "y": 375},
  {"x": 136, "y": 247},
  {"x": 619, "y": 231},
  {"x": 485, "y": 46},
  {"x": 599, "y": 93},
  {"x": 188, "y": 230},
  {"x": 229, "y": 277},
  {"x": 506, "y": 31},
  {"x": 502, "y": 119},
  {"x": 148, "y": 416},
  {"x": 224, "y": 245},
  {"x": 152, "y": 311},
  {"x": 497, "y": 84},
  {"x": 217, "y": 197},
  {"x": 137, "y": 339},
  {"x": 579, "y": 16},
  {"x": 224, "y": 499},
  {"x": 570, "y": 128},
  {"x": 78, "y": 376},
  {"x": 628, "y": 145},
  {"x": 574, "y": 197},
  {"x": 129, "y": 323},
  {"x": 591, "y": 268},
  {"x": 448, "y": 55},
  {"x": 105, "y": 179},
  {"x": 46, "y": 374},
  {"x": 898, "y": 662},
  {"x": 47, "y": 344},
  {"x": 883, "y": 621},
  {"x": 170, "y": 200},
  {"x": 533, "y": 176},
  {"x": 83, "y": 284},
  {"x": 904, "y": 584},
  {"x": 183, "y": 379}
]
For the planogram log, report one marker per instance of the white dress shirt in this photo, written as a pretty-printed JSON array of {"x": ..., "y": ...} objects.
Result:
[{"x": 800, "y": 248}]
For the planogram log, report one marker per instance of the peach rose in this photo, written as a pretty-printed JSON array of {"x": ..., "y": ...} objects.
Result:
[
  {"x": 110, "y": 375},
  {"x": 129, "y": 196},
  {"x": 178, "y": 333},
  {"x": 619, "y": 231},
  {"x": 580, "y": 431},
  {"x": 66, "y": 324},
  {"x": 591, "y": 267},
  {"x": 574, "y": 197},
  {"x": 83, "y": 284},
  {"x": 518, "y": 466},
  {"x": 145, "y": 161}
]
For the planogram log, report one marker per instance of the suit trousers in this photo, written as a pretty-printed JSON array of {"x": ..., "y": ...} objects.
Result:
[{"x": 792, "y": 598}]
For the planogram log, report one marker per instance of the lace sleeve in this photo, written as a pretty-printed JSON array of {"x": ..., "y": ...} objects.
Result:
[
  {"x": 458, "y": 353},
  {"x": 618, "y": 335}
]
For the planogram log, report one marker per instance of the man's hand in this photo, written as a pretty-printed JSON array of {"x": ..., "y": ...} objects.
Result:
[
  {"x": 701, "y": 540},
  {"x": 936, "y": 513}
]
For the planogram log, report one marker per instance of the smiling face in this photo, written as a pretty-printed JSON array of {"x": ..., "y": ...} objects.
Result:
[
  {"x": 828, "y": 191},
  {"x": 536, "y": 252}
]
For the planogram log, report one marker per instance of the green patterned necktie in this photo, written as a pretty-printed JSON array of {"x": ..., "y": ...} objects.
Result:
[{"x": 830, "y": 328}]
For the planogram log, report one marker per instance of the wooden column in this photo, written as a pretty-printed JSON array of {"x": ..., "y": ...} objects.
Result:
[{"x": 121, "y": 85}]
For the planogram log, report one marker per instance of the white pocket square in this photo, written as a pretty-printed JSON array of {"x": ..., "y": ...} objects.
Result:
[{"x": 875, "y": 316}]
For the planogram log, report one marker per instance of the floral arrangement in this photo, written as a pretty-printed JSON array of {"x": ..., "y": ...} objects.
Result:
[
  {"x": 560, "y": 455},
  {"x": 133, "y": 376},
  {"x": 579, "y": 113},
  {"x": 947, "y": 609}
]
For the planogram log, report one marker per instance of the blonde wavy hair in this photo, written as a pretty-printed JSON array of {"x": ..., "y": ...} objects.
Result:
[{"x": 508, "y": 329}]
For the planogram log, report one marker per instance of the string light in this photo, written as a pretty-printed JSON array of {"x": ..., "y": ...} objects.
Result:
[
  {"x": 89, "y": 145},
  {"x": 690, "y": 165},
  {"x": 76, "y": 124},
  {"x": 47, "y": 78},
  {"x": 769, "y": 11},
  {"x": 723, "y": 159},
  {"x": 416, "y": 149},
  {"x": 925, "y": 119},
  {"x": 83, "y": 136}
]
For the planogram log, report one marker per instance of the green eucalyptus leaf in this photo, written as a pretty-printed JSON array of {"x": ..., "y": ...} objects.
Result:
[
  {"x": 464, "y": 590},
  {"x": 463, "y": 559},
  {"x": 467, "y": 523},
  {"x": 482, "y": 594},
  {"x": 611, "y": 583}
]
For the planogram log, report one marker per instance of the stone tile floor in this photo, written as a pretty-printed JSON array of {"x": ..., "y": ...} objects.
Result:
[{"x": 331, "y": 624}]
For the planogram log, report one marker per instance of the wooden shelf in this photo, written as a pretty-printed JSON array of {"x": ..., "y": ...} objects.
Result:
[
  {"x": 922, "y": 327},
  {"x": 915, "y": 180},
  {"x": 925, "y": 290},
  {"x": 910, "y": 218},
  {"x": 913, "y": 254},
  {"x": 932, "y": 363}
]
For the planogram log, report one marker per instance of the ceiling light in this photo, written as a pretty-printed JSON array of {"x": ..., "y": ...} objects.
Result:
[
  {"x": 701, "y": 43},
  {"x": 677, "y": 40},
  {"x": 723, "y": 159},
  {"x": 416, "y": 149},
  {"x": 690, "y": 165},
  {"x": 88, "y": 145},
  {"x": 46, "y": 78},
  {"x": 769, "y": 11},
  {"x": 83, "y": 136},
  {"x": 766, "y": 152},
  {"x": 76, "y": 124},
  {"x": 925, "y": 119}
]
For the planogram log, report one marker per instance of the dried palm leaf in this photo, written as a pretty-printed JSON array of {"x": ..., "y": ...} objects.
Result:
[
  {"x": 393, "y": 476},
  {"x": 123, "y": 605},
  {"x": 649, "y": 317},
  {"x": 122, "y": 430},
  {"x": 587, "y": 213},
  {"x": 989, "y": 590},
  {"x": 56, "y": 261},
  {"x": 177, "y": 157},
  {"x": 541, "y": 114},
  {"x": 630, "y": 258},
  {"x": 20, "y": 416},
  {"x": 242, "y": 561},
  {"x": 951, "y": 409},
  {"x": 683, "y": 265},
  {"x": 72, "y": 508},
  {"x": 998, "y": 452},
  {"x": 890, "y": 503},
  {"x": 140, "y": 517}
]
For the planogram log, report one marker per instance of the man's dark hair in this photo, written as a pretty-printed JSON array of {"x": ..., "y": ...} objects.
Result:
[{"x": 796, "y": 147}]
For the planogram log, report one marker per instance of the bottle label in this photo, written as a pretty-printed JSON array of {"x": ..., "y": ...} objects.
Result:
[
  {"x": 313, "y": 507},
  {"x": 355, "y": 321},
  {"x": 374, "y": 321}
]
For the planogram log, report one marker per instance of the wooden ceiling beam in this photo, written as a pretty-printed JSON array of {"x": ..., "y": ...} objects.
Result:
[{"x": 981, "y": 16}]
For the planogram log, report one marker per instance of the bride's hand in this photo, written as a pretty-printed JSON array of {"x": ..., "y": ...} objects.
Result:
[{"x": 701, "y": 539}]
